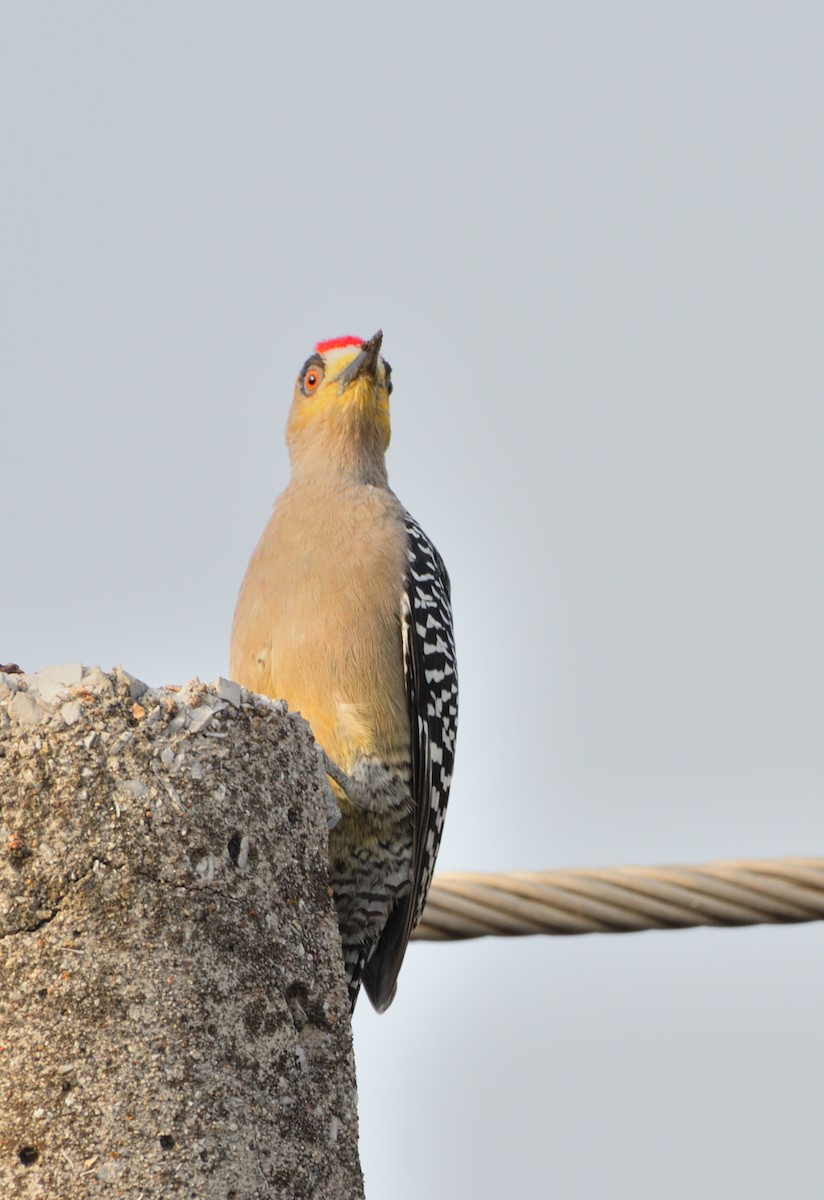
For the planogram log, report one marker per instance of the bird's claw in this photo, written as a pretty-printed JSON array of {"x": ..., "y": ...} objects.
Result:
[{"x": 333, "y": 813}]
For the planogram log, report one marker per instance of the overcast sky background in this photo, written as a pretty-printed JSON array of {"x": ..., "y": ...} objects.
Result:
[{"x": 593, "y": 236}]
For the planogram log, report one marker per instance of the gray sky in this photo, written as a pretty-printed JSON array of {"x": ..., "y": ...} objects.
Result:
[{"x": 592, "y": 234}]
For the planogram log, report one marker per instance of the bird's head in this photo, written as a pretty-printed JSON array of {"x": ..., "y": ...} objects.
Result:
[{"x": 340, "y": 408}]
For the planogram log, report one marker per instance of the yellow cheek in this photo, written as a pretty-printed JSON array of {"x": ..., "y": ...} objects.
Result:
[{"x": 370, "y": 403}]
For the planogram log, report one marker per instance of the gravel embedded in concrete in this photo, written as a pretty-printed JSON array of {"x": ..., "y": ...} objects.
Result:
[{"x": 173, "y": 1012}]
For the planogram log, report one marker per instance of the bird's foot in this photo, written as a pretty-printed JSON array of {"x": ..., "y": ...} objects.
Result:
[
  {"x": 333, "y": 813},
  {"x": 371, "y": 788}
]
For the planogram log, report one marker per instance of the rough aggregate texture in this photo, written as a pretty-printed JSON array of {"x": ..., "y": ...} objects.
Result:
[{"x": 173, "y": 1013}]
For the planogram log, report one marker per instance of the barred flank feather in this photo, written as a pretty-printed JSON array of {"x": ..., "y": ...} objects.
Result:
[{"x": 430, "y": 669}]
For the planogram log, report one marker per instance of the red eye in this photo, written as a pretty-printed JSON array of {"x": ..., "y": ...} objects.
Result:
[{"x": 311, "y": 380}]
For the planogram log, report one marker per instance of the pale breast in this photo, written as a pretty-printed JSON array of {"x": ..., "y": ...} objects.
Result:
[{"x": 318, "y": 618}]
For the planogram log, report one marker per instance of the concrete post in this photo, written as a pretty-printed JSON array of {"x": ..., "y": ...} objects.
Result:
[{"x": 173, "y": 1013}]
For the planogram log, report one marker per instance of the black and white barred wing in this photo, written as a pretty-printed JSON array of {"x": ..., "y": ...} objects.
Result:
[
  {"x": 432, "y": 696},
  {"x": 432, "y": 691}
]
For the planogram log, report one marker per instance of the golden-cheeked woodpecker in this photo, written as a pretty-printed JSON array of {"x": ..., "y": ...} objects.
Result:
[{"x": 345, "y": 613}]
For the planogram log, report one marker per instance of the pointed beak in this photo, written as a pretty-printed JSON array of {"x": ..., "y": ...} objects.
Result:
[{"x": 366, "y": 362}]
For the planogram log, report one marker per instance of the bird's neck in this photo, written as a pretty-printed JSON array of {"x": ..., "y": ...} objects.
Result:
[{"x": 337, "y": 455}]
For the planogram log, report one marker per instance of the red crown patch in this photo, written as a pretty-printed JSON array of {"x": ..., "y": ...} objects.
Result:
[{"x": 338, "y": 343}]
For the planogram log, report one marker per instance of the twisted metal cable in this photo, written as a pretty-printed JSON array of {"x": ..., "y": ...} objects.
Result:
[{"x": 466, "y": 904}]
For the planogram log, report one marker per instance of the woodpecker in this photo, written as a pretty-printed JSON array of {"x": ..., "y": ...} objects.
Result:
[{"x": 345, "y": 613}]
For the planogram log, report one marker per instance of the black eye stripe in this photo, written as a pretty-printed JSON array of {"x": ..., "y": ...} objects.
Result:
[{"x": 314, "y": 363}]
